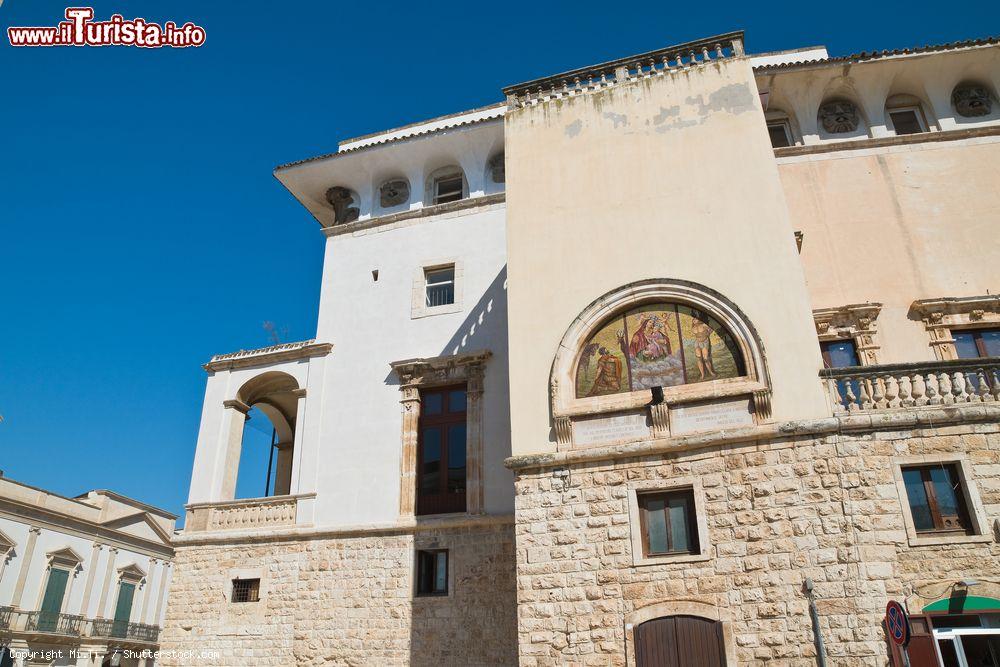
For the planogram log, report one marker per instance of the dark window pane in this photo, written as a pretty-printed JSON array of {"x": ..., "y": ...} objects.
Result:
[
  {"x": 839, "y": 353},
  {"x": 677, "y": 511},
  {"x": 778, "y": 134},
  {"x": 990, "y": 340},
  {"x": 448, "y": 189},
  {"x": 430, "y": 464},
  {"x": 441, "y": 572},
  {"x": 965, "y": 344},
  {"x": 917, "y": 495},
  {"x": 946, "y": 491},
  {"x": 456, "y": 400},
  {"x": 456, "y": 458},
  {"x": 905, "y": 122},
  {"x": 432, "y": 572},
  {"x": 656, "y": 526},
  {"x": 431, "y": 404}
]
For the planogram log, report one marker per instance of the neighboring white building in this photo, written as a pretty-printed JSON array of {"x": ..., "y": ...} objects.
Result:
[{"x": 80, "y": 577}]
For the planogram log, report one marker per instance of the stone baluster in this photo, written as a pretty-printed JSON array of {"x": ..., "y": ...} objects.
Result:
[
  {"x": 680, "y": 59},
  {"x": 693, "y": 56},
  {"x": 933, "y": 393},
  {"x": 833, "y": 389},
  {"x": 878, "y": 394},
  {"x": 958, "y": 388},
  {"x": 905, "y": 391},
  {"x": 704, "y": 54},
  {"x": 996, "y": 385},
  {"x": 944, "y": 383},
  {"x": 666, "y": 65},
  {"x": 718, "y": 51},
  {"x": 892, "y": 391},
  {"x": 865, "y": 389},
  {"x": 852, "y": 400},
  {"x": 982, "y": 386},
  {"x": 919, "y": 389}
]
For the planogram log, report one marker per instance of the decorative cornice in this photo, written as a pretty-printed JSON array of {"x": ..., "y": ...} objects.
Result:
[
  {"x": 865, "y": 56},
  {"x": 420, "y": 371},
  {"x": 878, "y": 421},
  {"x": 928, "y": 308},
  {"x": 411, "y": 526},
  {"x": 855, "y": 316},
  {"x": 423, "y": 212},
  {"x": 266, "y": 356},
  {"x": 883, "y": 142}
]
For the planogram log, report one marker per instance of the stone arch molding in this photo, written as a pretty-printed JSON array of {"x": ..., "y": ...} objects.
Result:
[
  {"x": 754, "y": 382},
  {"x": 680, "y": 608}
]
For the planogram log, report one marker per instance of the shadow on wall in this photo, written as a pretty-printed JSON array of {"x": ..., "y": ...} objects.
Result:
[{"x": 486, "y": 325}]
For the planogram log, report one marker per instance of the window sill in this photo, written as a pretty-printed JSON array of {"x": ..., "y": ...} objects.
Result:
[
  {"x": 669, "y": 559},
  {"x": 430, "y": 311},
  {"x": 939, "y": 540}
]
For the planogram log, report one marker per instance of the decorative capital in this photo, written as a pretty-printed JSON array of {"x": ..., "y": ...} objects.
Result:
[{"x": 237, "y": 405}]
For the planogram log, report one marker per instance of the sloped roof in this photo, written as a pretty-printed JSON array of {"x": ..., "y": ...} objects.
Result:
[{"x": 875, "y": 55}]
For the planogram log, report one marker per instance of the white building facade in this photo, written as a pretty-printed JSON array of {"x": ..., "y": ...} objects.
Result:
[
  {"x": 81, "y": 577},
  {"x": 466, "y": 468}
]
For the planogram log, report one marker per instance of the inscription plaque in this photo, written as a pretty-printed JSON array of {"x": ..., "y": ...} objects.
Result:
[
  {"x": 598, "y": 430},
  {"x": 710, "y": 416}
]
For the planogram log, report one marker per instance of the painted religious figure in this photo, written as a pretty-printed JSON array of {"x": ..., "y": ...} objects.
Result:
[{"x": 661, "y": 344}]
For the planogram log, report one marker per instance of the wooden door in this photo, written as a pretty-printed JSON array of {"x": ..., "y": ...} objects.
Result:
[{"x": 679, "y": 641}]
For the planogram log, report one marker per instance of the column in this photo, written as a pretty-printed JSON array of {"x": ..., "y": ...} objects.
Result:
[
  {"x": 145, "y": 590},
  {"x": 164, "y": 576},
  {"x": 283, "y": 469},
  {"x": 475, "y": 498},
  {"x": 235, "y": 417},
  {"x": 108, "y": 575},
  {"x": 294, "y": 453},
  {"x": 22, "y": 575},
  {"x": 88, "y": 588},
  {"x": 408, "y": 456}
]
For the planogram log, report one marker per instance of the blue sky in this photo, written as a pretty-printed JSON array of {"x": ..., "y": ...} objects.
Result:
[{"x": 143, "y": 230}]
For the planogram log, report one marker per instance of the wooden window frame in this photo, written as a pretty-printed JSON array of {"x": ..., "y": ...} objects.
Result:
[
  {"x": 418, "y": 578},
  {"x": 823, "y": 344},
  {"x": 251, "y": 590},
  {"x": 690, "y": 516},
  {"x": 445, "y": 502},
  {"x": 979, "y": 528},
  {"x": 933, "y": 505},
  {"x": 698, "y": 521},
  {"x": 941, "y": 316},
  {"x": 977, "y": 338}
]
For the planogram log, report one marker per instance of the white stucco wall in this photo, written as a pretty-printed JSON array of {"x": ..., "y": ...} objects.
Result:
[{"x": 369, "y": 322}]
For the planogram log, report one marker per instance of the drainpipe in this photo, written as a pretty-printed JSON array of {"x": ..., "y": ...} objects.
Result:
[{"x": 814, "y": 615}]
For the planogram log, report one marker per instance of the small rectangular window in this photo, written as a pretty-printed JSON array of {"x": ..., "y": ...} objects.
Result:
[
  {"x": 432, "y": 572},
  {"x": 246, "y": 590},
  {"x": 440, "y": 286},
  {"x": 448, "y": 188},
  {"x": 669, "y": 524},
  {"x": 976, "y": 343},
  {"x": 936, "y": 498},
  {"x": 779, "y": 133},
  {"x": 906, "y": 121},
  {"x": 839, "y": 353}
]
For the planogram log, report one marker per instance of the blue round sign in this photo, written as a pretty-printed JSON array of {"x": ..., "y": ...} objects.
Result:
[{"x": 897, "y": 624}]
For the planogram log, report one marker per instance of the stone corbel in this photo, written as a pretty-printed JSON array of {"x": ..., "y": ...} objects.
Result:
[
  {"x": 237, "y": 405},
  {"x": 762, "y": 405},
  {"x": 564, "y": 432},
  {"x": 855, "y": 321},
  {"x": 659, "y": 414}
]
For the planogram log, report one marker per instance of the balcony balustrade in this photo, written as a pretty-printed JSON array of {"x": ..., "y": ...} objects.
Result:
[
  {"x": 245, "y": 514},
  {"x": 863, "y": 389},
  {"x": 15, "y": 621}
]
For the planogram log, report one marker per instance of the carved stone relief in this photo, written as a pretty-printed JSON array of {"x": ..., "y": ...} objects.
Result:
[
  {"x": 839, "y": 116},
  {"x": 393, "y": 192},
  {"x": 340, "y": 198},
  {"x": 971, "y": 101}
]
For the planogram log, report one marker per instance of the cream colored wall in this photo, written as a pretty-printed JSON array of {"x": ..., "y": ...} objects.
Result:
[
  {"x": 897, "y": 224},
  {"x": 668, "y": 177}
]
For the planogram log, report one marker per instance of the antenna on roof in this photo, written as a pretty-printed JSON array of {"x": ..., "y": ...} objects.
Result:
[{"x": 274, "y": 335}]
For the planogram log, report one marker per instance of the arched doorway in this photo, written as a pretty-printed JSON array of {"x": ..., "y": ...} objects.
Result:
[{"x": 680, "y": 641}]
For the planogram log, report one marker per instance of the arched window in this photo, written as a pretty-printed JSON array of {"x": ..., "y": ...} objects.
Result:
[
  {"x": 659, "y": 344},
  {"x": 265, "y": 465},
  {"x": 446, "y": 184},
  {"x": 905, "y": 114}
]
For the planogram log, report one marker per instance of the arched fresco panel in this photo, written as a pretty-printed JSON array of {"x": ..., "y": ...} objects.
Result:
[{"x": 659, "y": 344}]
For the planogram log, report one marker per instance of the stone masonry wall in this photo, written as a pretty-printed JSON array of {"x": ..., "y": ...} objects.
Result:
[
  {"x": 777, "y": 512},
  {"x": 346, "y": 601}
]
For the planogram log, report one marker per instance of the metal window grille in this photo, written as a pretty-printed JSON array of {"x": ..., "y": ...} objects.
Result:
[
  {"x": 440, "y": 286},
  {"x": 246, "y": 590}
]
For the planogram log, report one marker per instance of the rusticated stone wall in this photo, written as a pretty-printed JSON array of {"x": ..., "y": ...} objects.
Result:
[
  {"x": 346, "y": 601},
  {"x": 777, "y": 512}
]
